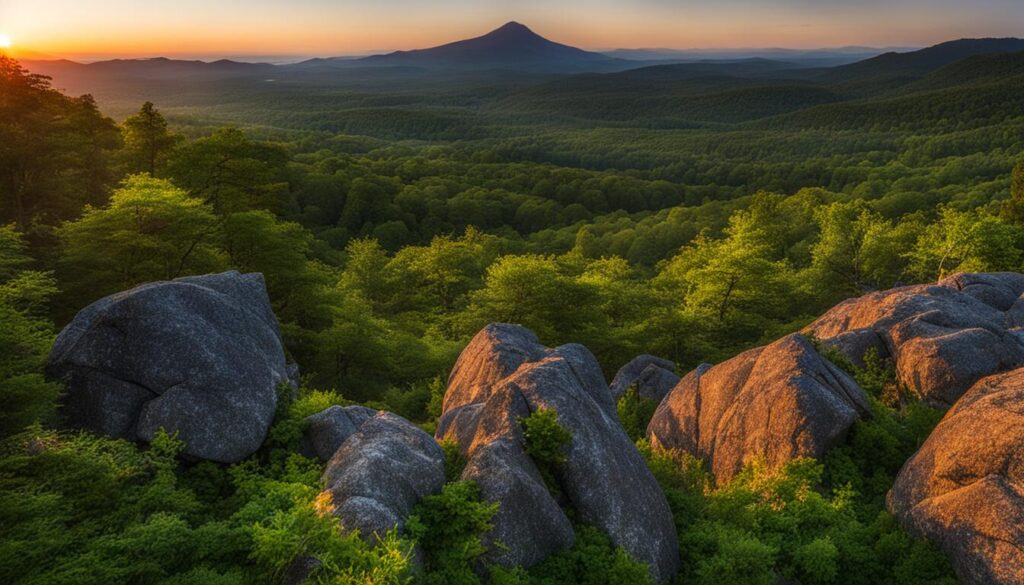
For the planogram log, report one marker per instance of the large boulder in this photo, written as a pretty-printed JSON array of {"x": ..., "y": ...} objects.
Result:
[
  {"x": 380, "y": 472},
  {"x": 653, "y": 376},
  {"x": 778, "y": 402},
  {"x": 326, "y": 430},
  {"x": 943, "y": 337},
  {"x": 964, "y": 488},
  {"x": 504, "y": 375},
  {"x": 198, "y": 356}
]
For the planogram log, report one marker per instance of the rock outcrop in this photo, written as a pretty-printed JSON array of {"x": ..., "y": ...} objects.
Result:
[
  {"x": 964, "y": 488},
  {"x": 505, "y": 374},
  {"x": 778, "y": 402},
  {"x": 654, "y": 377},
  {"x": 199, "y": 356},
  {"x": 380, "y": 472},
  {"x": 943, "y": 338},
  {"x": 326, "y": 430}
]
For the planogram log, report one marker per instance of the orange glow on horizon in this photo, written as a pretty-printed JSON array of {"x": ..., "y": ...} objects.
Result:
[{"x": 117, "y": 28}]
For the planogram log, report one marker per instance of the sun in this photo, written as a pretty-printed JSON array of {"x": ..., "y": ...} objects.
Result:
[{"x": 5, "y": 41}]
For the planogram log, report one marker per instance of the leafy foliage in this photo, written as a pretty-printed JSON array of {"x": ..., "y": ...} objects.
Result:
[
  {"x": 545, "y": 440},
  {"x": 449, "y": 527},
  {"x": 635, "y": 413}
]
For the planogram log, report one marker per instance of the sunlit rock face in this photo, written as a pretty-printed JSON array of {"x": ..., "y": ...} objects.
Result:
[
  {"x": 504, "y": 375},
  {"x": 774, "y": 403},
  {"x": 198, "y": 356},
  {"x": 964, "y": 488},
  {"x": 942, "y": 338}
]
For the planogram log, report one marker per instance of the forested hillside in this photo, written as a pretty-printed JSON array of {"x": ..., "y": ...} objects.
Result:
[{"x": 690, "y": 212}]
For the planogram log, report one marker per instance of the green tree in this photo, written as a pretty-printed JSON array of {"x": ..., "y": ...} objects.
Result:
[
  {"x": 857, "y": 250},
  {"x": 147, "y": 141},
  {"x": 54, "y": 150},
  {"x": 533, "y": 291},
  {"x": 232, "y": 172},
  {"x": 257, "y": 241},
  {"x": 25, "y": 338},
  {"x": 966, "y": 241},
  {"x": 149, "y": 231}
]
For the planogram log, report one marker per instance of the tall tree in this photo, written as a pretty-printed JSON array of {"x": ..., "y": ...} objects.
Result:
[
  {"x": 232, "y": 172},
  {"x": 151, "y": 230},
  {"x": 147, "y": 140},
  {"x": 25, "y": 337},
  {"x": 54, "y": 150}
]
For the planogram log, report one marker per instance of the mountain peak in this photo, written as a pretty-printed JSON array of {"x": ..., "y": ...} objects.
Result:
[
  {"x": 512, "y": 30},
  {"x": 513, "y": 26},
  {"x": 511, "y": 46}
]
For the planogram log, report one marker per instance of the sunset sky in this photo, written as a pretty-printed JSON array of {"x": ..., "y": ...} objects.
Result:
[{"x": 214, "y": 28}]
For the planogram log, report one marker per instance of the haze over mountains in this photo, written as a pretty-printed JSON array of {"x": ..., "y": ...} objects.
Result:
[
  {"x": 511, "y": 46},
  {"x": 514, "y": 46},
  {"x": 512, "y": 71}
]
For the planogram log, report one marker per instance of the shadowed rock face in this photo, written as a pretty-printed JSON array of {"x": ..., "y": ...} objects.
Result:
[
  {"x": 379, "y": 473},
  {"x": 326, "y": 430},
  {"x": 200, "y": 356},
  {"x": 504, "y": 375},
  {"x": 964, "y": 489},
  {"x": 778, "y": 402},
  {"x": 654, "y": 377},
  {"x": 943, "y": 338}
]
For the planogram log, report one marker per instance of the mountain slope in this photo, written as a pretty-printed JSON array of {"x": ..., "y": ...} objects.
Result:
[
  {"x": 158, "y": 68},
  {"x": 513, "y": 46},
  {"x": 923, "y": 61}
]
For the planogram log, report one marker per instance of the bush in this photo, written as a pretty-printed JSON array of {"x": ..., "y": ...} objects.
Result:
[
  {"x": 449, "y": 527},
  {"x": 635, "y": 413},
  {"x": 454, "y": 460},
  {"x": 546, "y": 440},
  {"x": 768, "y": 524},
  {"x": 592, "y": 560}
]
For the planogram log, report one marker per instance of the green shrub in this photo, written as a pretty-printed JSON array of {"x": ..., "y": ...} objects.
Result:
[
  {"x": 449, "y": 527},
  {"x": 454, "y": 460},
  {"x": 635, "y": 413},
  {"x": 545, "y": 440},
  {"x": 768, "y": 524},
  {"x": 592, "y": 560}
]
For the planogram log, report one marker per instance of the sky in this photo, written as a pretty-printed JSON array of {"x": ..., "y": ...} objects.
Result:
[{"x": 90, "y": 29}]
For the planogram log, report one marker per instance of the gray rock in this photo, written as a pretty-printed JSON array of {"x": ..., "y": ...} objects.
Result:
[
  {"x": 529, "y": 524},
  {"x": 654, "y": 377},
  {"x": 379, "y": 474},
  {"x": 294, "y": 379},
  {"x": 999, "y": 290},
  {"x": 778, "y": 402},
  {"x": 199, "y": 356},
  {"x": 604, "y": 477},
  {"x": 943, "y": 338},
  {"x": 326, "y": 430},
  {"x": 964, "y": 488}
]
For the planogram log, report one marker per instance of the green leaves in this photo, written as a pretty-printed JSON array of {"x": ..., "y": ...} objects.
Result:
[
  {"x": 545, "y": 440},
  {"x": 635, "y": 413},
  {"x": 449, "y": 527},
  {"x": 151, "y": 230}
]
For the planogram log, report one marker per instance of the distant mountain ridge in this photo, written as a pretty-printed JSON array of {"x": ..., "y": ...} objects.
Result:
[
  {"x": 923, "y": 61},
  {"x": 515, "y": 47},
  {"x": 512, "y": 46},
  {"x": 155, "y": 68}
]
